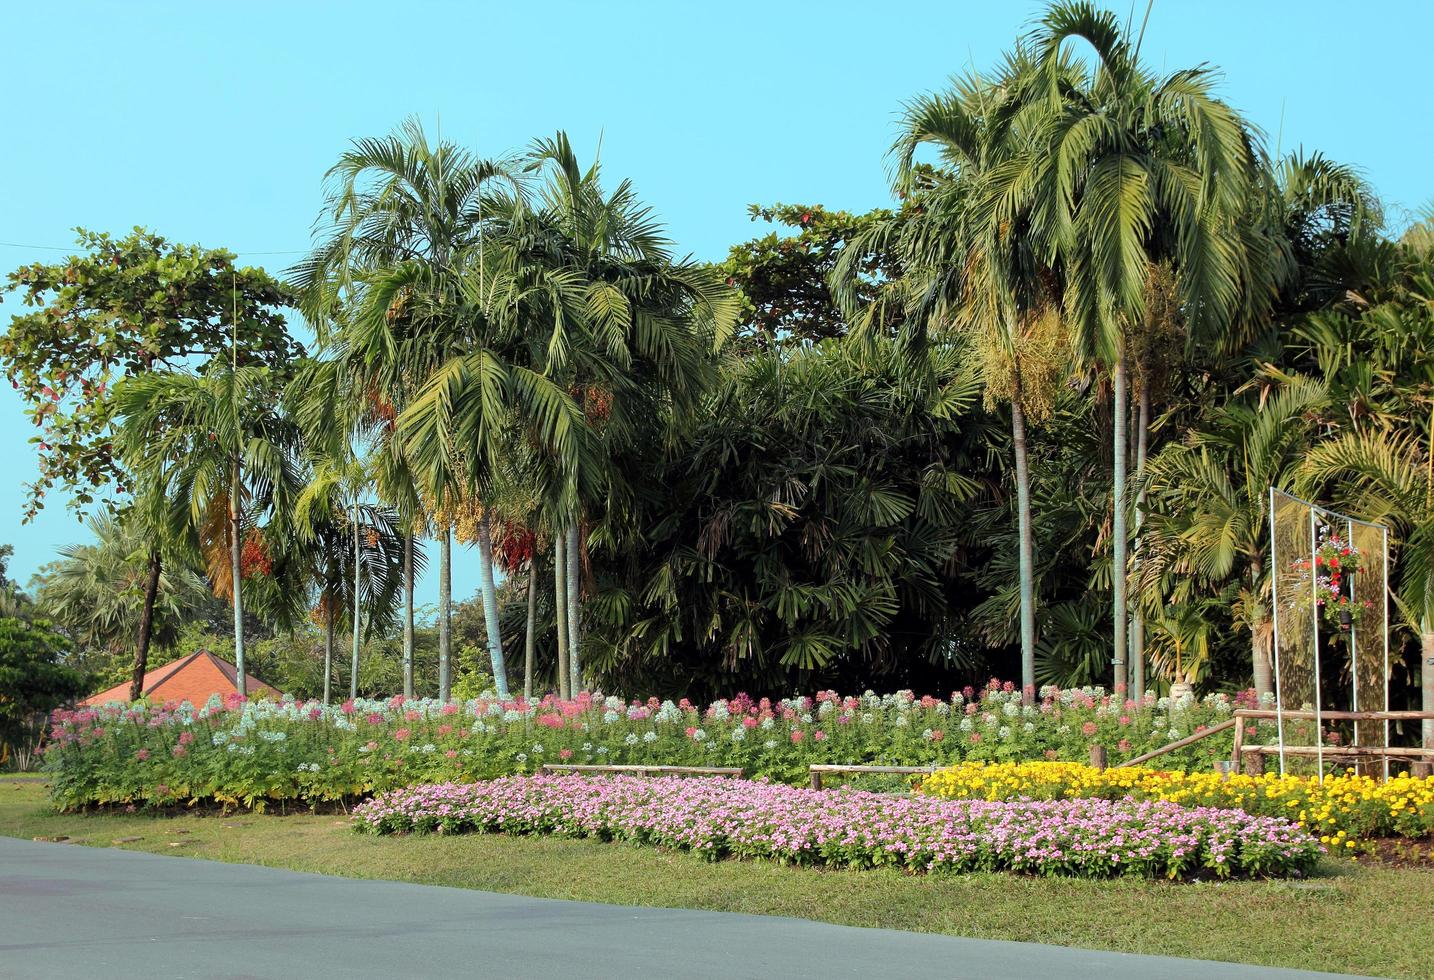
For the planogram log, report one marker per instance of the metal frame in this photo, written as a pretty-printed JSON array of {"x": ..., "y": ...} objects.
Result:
[{"x": 1329, "y": 517}]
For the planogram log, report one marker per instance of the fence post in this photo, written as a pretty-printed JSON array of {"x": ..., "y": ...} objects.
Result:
[
  {"x": 1252, "y": 763},
  {"x": 1098, "y": 758},
  {"x": 1421, "y": 769},
  {"x": 816, "y": 779}
]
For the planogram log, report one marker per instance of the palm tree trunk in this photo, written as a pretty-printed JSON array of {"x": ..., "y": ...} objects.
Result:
[
  {"x": 146, "y": 626},
  {"x": 1027, "y": 541},
  {"x": 354, "y": 667},
  {"x": 1260, "y": 665},
  {"x": 491, "y": 625},
  {"x": 574, "y": 556},
  {"x": 528, "y": 639},
  {"x": 1426, "y": 681},
  {"x": 329, "y": 649},
  {"x": 408, "y": 615},
  {"x": 1137, "y": 618},
  {"x": 445, "y": 611},
  {"x": 1118, "y": 541},
  {"x": 236, "y": 576},
  {"x": 560, "y": 604}
]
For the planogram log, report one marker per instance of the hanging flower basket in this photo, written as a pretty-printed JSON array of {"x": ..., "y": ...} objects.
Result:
[{"x": 1335, "y": 562}]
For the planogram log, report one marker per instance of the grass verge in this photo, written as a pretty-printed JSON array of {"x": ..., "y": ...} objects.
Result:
[{"x": 1348, "y": 918}]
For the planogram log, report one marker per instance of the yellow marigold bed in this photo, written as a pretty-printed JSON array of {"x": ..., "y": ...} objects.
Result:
[{"x": 1341, "y": 810}]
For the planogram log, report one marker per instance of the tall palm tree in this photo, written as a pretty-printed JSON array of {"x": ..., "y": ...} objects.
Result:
[
  {"x": 963, "y": 270},
  {"x": 1131, "y": 169},
  {"x": 631, "y": 330},
  {"x": 215, "y": 448},
  {"x": 383, "y": 284}
]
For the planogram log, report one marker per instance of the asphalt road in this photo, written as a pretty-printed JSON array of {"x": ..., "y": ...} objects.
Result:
[{"x": 74, "y": 911}]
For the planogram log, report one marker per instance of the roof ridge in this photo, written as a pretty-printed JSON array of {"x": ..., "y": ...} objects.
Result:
[{"x": 175, "y": 667}]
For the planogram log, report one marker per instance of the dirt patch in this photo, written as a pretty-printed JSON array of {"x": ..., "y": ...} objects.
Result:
[{"x": 1398, "y": 852}]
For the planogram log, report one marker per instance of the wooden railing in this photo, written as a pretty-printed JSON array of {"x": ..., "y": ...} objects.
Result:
[
  {"x": 817, "y": 772},
  {"x": 648, "y": 770}
]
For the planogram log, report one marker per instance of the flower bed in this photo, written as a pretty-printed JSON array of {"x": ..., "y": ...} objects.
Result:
[
  {"x": 1339, "y": 811},
  {"x": 719, "y": 818},
  {"x": 249, "y": 753}
]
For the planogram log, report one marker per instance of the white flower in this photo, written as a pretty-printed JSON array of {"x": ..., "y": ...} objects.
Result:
[
  {"x": 739, "y": 734},
  {"x": 522, "y": 757},
  {"x": 631, "y": 738},
  {"x": 1004, "y": 732},
  {"x": 610, "y": 716},
  {"x": 769, "y": 744},
  {"x": 966, "y": 725},
  {"x": 768, "y": 723},
  {"x": 649, "y": 736}
]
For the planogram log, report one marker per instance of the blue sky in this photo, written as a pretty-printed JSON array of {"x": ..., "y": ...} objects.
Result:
[{"x": 214, "y": 123}]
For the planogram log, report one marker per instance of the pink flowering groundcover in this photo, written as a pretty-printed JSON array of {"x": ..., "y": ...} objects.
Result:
[{"x": 719, "y": 818}]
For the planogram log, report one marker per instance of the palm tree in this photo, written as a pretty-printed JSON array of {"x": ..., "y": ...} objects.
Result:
[
  {"x": 1389, "y": 476},
  {"x": 980, "y": 276},
  {"x": 90, "y": 590},
  {"x": 626, "y": 328},
  {"x": 216, "y": 450},
  {"x": 1130, "y": 169},
  {"x": 1208, "y": 507},
  {"x": 383, "y": 283}
]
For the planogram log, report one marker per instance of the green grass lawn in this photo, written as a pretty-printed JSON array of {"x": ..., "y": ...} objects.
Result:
[{"x": 1348, "y": 918}]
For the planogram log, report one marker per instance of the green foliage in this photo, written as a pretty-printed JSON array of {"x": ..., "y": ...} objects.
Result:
[
  {"x": 782, "y": 277},
  {"x": 93, "y": 593},
  {"x": 808, "y": 525},
  {"x": 125, "y": 307},
  {"x": 33, "y": 680}
]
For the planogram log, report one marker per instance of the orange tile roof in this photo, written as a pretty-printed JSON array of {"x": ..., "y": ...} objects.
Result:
[{"x": 193, "y": 678}]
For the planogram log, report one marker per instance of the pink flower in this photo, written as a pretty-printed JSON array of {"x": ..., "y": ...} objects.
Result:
[
  {"x": 142, "y": 754},
  {"x": 185, "y": 738},
  {"x": 937, "y": 735},
  {"x": 819, "y": 735},
  {"x": 749, "y": 722},
  {"x": 1089, "y": 728},
  {"x": 565, "y": 754},
  {"x": 1123, "y": 745},
  {"x": 452, "y": 754},
  {"x": 402, "y": 734},
  {"x": 374, "y": 718},
  {"x": 797, "y": 735},
  {"x": 179, "y": 752},
  {"x": 444, "y": 730},
  {"x": 449, "y": 709}
]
